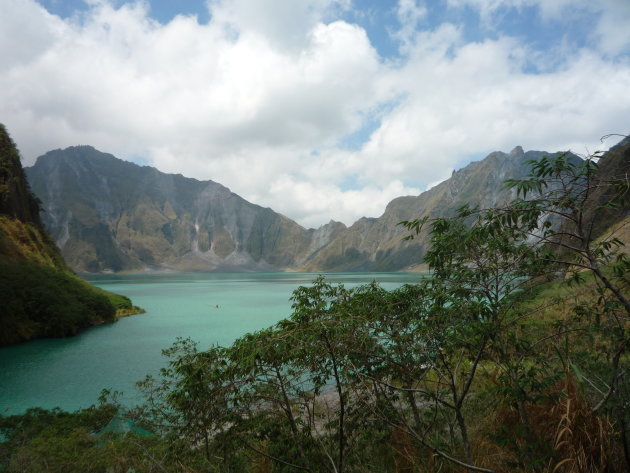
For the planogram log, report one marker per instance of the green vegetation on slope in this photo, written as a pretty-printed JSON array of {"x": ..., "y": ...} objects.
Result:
[
  {"x": 40, "y": 296},
  {"x": 16, "y": 198},
  {"x": 40, "y": 301},
  {"x": 20, "y": 241}
]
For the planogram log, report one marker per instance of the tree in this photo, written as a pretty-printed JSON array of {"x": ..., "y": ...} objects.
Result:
[
  {"x": 483, "y": 257},
  {"x": 333, "y": 387},
  {"x": 479, "y": 269},
  {"x": 572, "y": 192}
]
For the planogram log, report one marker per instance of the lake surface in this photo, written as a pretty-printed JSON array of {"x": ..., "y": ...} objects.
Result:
[{"x": 71, "y": 372}]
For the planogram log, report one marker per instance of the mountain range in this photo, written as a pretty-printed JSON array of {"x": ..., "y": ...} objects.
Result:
[{"x": 106, "y": 214}]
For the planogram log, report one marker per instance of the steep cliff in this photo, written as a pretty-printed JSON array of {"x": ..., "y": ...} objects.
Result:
[
  {"x": 614, "y": 165},
  {"x": 108, "y": 214}
]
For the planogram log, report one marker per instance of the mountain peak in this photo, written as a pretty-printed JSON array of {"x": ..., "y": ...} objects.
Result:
[
  {"x": 517, "y": 152},
  {"x": 137, "y": 218}
]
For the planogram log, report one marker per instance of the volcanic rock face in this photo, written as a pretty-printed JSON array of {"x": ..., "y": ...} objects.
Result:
[
  {"x": 110, "y": 215},
  {"x": 376, "y": 244}
]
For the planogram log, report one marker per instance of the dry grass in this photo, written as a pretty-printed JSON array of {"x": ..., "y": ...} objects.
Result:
[
  {"x": 583, "y": 441},
  {"x": 620, "y": 231},
  {"x": 261, "y": 464},
  {"x": 405, "y": 454},
  {"x": 564, "y": 436}
]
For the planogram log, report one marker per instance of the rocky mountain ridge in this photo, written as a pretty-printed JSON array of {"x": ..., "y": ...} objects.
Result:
[
  {"x": 110, "y": 215},
  {"x": 377, "y": 244}
]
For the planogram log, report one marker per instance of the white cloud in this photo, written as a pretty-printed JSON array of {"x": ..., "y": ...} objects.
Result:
[
  {"x": 613, "y": 28},
  {"x": 609, "y": 29},
  {"x": 23, "y": 21},
  {"x": 317, "y": 203},
  {"x": 260, "y": 98},
  {"x": 410, "y": 13},
  {"x": 477, "y": 99},
  {"x": 548, "y": 8},
  {"x": 285, "y": 23}
]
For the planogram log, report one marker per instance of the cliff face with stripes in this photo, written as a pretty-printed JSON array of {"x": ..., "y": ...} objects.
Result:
[
  {"x": 111, "y": 215},
  {"x": 377, "y": 244}
]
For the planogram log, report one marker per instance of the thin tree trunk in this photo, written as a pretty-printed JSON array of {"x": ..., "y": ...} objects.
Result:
[
  {"x": 342, "y": 406},
  {"x": 411, "y": 399},
  {"x": 463, "y": 430}
]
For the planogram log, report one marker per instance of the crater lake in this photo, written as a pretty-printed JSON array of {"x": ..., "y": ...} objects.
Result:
[{"x": 209, "y": 308}]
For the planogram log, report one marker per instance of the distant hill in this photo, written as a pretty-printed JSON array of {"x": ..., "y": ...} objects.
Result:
[
  {"x": 39, "y": 294},
  {"x": 111, "y": 215}
]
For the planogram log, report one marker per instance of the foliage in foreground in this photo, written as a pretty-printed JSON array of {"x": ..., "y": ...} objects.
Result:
[
  {"x": 54, "y": 441},
  {"x": 486, "y": 366}
]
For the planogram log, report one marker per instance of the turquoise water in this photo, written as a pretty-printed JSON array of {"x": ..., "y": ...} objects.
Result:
[{"x": 71, "y": 372}]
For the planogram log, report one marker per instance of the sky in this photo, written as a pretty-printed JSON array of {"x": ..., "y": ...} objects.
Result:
[{"x": 319, "y": 109}]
